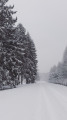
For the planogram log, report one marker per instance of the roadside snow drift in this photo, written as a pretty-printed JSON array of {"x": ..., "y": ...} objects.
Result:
[{"x": 40, "y": 101}]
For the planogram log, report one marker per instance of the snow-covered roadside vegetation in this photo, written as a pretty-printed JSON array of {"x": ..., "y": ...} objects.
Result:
[{"x": 58, "y": 74}]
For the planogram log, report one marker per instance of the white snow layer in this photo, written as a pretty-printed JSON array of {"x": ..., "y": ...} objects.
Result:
[{"x": 40, "y": 101}]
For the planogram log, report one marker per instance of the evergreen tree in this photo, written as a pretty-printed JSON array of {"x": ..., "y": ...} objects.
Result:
[
  {"x": 27, "y": 55},
  {"x": 60, "y": 70},
  {"x": 31, "y": 62},
  {"x": 65, "y": 63},
  {"x": 7, "y": 30},
  {"x": 17, "y": 50},
  {"x": 59, "y": 74},
  {"x": 53, "y": 74},
  {"x": 20, "y": 38}
]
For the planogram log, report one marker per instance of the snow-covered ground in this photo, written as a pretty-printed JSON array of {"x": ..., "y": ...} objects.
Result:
[{"x": 40, "y": 101}]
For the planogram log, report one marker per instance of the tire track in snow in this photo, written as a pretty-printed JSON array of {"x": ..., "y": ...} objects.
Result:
[
  {"x": 54, "y": 106},
  {"x": 47, "y": 110},
  {"x": 62, "y": 102}
]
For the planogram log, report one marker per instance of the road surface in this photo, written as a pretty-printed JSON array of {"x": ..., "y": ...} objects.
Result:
[{"x": 40, "y": 101}]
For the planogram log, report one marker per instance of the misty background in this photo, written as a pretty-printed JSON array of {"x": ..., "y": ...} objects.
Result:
[{"x": 46, "y": 21}]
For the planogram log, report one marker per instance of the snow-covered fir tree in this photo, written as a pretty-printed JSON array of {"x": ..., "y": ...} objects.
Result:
[
  {"x": 59, "y": 74},
  {"x": 27, "y": 55},
  {"x": 53, "y": 73},
  {"x": 65, "y": 63},
  {"x": 6, "y": 36},
  {"x": 17, "y": 50},
  {"x": 31, "y": 62}
]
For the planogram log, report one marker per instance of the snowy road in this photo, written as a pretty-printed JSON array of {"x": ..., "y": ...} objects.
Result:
[
  {"x": 54, "y": 99},
  {"x": 41, "y": 101}
]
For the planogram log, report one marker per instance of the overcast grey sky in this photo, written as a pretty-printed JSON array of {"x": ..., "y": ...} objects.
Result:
[{"x": 46, "y": 21}]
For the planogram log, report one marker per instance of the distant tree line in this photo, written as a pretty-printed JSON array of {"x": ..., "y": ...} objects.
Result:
[
  {"x": 58, "y": 74},
  {"x": 18, "y": 59}
]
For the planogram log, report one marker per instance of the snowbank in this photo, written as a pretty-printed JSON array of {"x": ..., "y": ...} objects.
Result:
[{"x": 59, "y": 81}]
